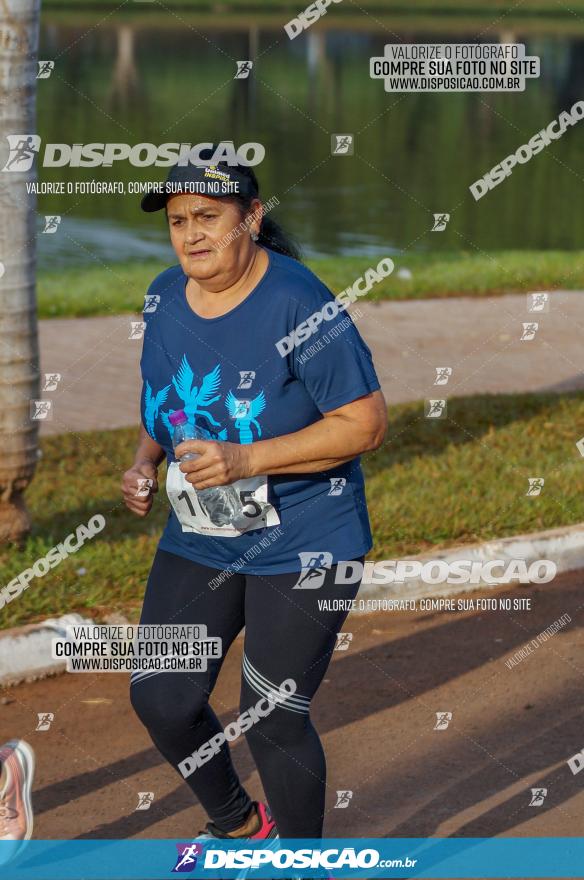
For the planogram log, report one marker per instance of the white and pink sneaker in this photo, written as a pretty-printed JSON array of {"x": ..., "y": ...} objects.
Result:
[
  {"x": 267, "y": 827},
  {"x": 266, "y": 831},
  {"x": 16, "y": 817}
]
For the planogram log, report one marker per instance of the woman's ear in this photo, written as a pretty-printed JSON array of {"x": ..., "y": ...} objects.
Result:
[{"x": 255, "y": 214}]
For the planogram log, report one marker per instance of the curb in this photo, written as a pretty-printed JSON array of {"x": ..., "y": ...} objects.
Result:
[
  {"x": 563, "y": 546},
  {"x": 25, "y": 652}
]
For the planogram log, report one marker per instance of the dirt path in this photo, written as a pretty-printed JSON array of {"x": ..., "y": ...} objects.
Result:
[
  {"x": 511, "y": 730},
  {"x": 478, "y": 338}
]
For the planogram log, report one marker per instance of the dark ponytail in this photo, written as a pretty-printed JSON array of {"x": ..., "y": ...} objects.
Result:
[
  {"x": 271, "y": 234},
  {"x": 273, "y": 237}
]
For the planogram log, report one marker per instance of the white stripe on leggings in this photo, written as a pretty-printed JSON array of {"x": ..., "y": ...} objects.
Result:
[{"x": 263, "y": 686}]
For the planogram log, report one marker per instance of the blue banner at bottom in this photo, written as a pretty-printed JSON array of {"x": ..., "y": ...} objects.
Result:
[{"x": 404, "y": 857}]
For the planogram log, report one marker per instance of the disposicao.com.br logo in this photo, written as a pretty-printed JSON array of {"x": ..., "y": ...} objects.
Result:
[
  {"x": 25, "y": 147},
  {"x": 302, "y": 859}
]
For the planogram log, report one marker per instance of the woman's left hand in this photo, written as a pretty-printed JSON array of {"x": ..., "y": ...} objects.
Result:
[{"x": 218, "y": 463}]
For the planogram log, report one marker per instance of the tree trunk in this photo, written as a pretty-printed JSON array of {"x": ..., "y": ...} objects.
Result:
[
  {"x": 19, "y": 357},
  {"x": 125, "y": 85}
]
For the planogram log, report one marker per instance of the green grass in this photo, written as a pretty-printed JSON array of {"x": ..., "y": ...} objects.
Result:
[
  {"x": 549, "y": 19},
  {"x": 121, "y": 287},
  {"x": 433, "y": 484},
  {"x": 222, "y": 6}
]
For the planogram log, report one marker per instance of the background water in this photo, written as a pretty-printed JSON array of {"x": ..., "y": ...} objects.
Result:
[{"x": 152, "y": 79}]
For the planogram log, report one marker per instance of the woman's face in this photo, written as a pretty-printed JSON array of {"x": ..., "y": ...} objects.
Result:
[{"x": 199, "y": 226}]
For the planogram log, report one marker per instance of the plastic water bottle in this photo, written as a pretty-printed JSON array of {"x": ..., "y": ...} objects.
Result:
[{"x": 221, "y": 503}]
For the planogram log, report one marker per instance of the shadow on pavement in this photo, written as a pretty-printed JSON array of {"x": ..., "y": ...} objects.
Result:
[{"x": 387, "y": 674}]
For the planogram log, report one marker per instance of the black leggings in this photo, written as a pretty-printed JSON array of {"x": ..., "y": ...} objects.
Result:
[{"x": 286, "y": 637}]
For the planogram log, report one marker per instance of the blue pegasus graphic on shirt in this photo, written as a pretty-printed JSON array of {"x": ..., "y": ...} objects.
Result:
[
  {"x": 195, "y": 399},
  {"x": 244, "y": 412},
  {"x": 152, "y": 404}
]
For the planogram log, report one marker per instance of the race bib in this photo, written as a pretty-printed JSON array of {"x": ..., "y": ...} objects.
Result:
[{"x": 257, "y": 512}]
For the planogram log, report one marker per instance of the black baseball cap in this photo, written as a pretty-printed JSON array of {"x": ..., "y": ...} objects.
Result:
[{"x": 220, "y": 181}]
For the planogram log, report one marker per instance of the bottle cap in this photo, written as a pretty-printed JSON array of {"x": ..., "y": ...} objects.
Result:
[{"x": 178, "y": 417}]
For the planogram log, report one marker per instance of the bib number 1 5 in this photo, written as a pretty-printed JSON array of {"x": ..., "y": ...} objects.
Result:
[
  {"x": 251, "y": 508},
  {"x": 257, "y": 512}
]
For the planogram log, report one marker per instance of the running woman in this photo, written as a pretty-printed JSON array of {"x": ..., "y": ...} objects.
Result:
[{"x": 284, "y": 418}]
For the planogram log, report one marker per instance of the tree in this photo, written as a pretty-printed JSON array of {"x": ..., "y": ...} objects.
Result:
[
  {"x": 19, "y": 356},
  {"x": 125, "y": 86}
]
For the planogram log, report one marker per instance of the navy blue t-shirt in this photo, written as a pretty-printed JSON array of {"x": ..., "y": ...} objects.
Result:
[{"x": 203, "y": 365}]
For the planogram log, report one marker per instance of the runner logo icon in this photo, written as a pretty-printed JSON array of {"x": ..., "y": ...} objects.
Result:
[
  {"x": 243, "y": 69},
  {"x": 246, "y": 378},
  {"x": 529, "y": 330},
  {"x": 51, "y": 381},
  {"x": 343, "y": 641},
  {"x": 52, "y": 222},
  {"x": 342, "y": 144},
  {"x": 538, "y": 302},
  {"x": 536, "y": 484},
  {"x": 538, "y": 796},
  {"x": 137, "y": 329},
  {"x": 314, "y": 568},
  {"x": 145, "y": 800},
  {"x": 440, "y": 222},
  {"x": 443, "y": 374},
  {"x": 435, "y": 409},
  {"x": 45, "y": 69},
  {"x": 343, "y": 800},
  {"x": 443, "y": 719},
  {"x": 187, "y": 857},
  {"x": 144, "y": 486},
  {"x": 23, "y": 149},
  {"x": 45, "y": 720},
  {"x": 40, "y": 409}
]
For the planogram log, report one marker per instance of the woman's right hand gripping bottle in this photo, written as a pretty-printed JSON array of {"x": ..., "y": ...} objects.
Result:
[{"x": 221, "y": 503}]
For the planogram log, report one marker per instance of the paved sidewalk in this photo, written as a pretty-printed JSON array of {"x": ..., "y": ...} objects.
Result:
[{"x": 477, "y": 337}]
